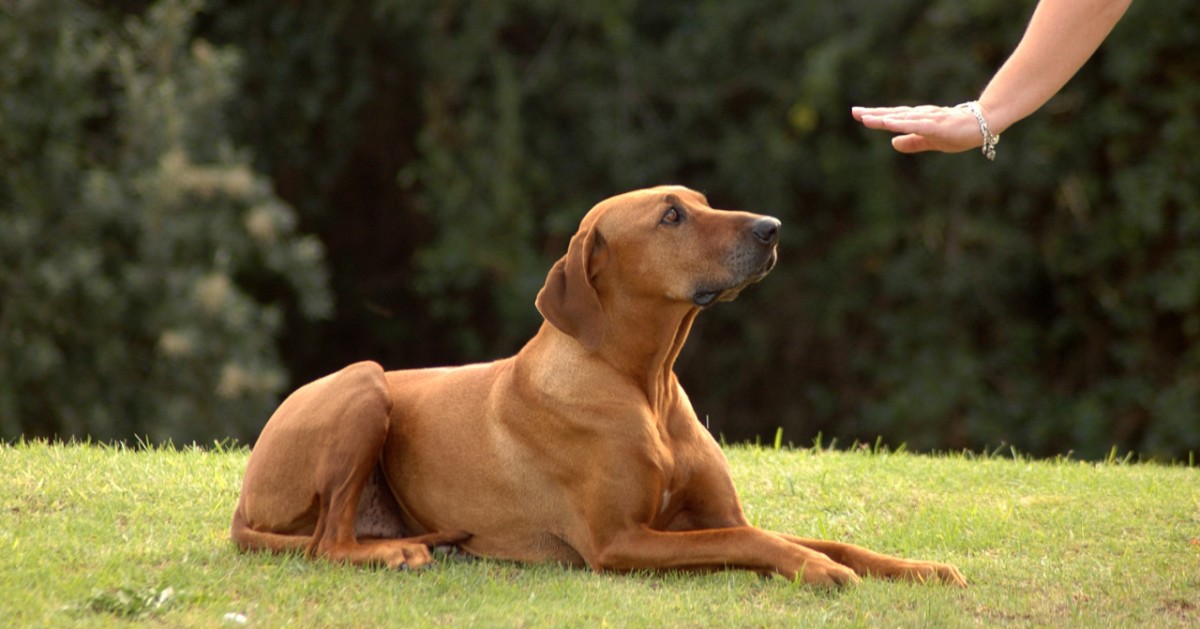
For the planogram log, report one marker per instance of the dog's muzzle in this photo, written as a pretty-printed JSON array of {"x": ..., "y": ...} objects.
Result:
[{"x": 748, "y": 263}]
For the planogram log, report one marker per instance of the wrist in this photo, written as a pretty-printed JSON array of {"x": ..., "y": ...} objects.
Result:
[
  {"x": 999, "y": 117},
  {"x": 988, "y": 138}
]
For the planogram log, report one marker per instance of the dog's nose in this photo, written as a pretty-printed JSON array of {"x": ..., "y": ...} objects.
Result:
[{"x": 766, "y": 230}]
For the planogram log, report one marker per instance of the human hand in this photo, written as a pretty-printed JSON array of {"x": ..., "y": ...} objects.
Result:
[{"x": 924, "y": 128}]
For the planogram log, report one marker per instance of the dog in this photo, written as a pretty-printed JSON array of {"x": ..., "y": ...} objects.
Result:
[{"x": 582, "y": 448}]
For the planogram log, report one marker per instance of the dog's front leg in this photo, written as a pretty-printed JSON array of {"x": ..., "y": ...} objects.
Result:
[
  {"x": 742, "y": 547},
  {"x": 870, "y": 563}
]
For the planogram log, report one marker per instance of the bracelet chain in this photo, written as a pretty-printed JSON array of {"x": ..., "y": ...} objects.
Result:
[{"x": 989, "y": 141}]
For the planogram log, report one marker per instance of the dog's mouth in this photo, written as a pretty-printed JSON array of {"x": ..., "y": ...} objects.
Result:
[{"x": 706, "y": 296}]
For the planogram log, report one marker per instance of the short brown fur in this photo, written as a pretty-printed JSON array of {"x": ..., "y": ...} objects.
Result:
[{"x": 582, "y": 449}]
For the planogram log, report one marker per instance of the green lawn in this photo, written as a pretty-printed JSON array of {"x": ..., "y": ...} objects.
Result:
[{"x": 89, "y": 533}]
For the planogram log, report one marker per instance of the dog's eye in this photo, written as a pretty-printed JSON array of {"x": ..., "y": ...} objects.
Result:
[{"x": 672, "y": 216}]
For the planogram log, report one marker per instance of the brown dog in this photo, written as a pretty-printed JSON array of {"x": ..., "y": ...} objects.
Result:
[{"x": 581, "y": 449}]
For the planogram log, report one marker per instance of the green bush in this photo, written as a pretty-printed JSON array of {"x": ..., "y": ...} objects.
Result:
[
  {"x": 1050, "y": 300},
  {"x": 137, "y": 244},
  {"x": 444, "y": 152}
]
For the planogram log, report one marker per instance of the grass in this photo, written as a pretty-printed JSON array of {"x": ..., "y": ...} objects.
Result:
[{"x": 103, "y": 536}]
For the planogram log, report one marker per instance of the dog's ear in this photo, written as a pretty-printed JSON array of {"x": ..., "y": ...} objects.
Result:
[{"x": 568, "y": 300}]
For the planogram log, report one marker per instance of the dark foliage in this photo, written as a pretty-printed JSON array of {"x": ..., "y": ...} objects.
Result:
[{"x": 443, "y": 152}]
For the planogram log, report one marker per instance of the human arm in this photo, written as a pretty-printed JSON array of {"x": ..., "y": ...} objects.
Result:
[{"x": 1060, "y": 38}]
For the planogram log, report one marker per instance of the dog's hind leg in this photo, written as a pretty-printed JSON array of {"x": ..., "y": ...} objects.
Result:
[{"x": 307, "y": 472}]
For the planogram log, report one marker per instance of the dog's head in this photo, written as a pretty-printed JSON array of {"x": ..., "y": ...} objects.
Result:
[{"x": 663, "y": 247}]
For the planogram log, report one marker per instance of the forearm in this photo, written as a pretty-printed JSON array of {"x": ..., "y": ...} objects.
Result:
[{"x": 1061, "y": 36}]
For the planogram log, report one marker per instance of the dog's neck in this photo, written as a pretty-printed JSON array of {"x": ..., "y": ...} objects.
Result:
[
  {"x": 640, "y": 344},
  {"x": 648, "y": 346}
]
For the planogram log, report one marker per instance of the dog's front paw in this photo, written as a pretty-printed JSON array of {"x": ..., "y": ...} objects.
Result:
[
  {"x": 932, "y": 571},
  {"x": 829, "y": 574}
]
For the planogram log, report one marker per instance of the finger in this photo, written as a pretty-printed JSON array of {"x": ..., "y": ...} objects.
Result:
[
  {"x": 871, "y": 122},
  {"x": 914, "y": 123},
  {"x": 859, "y": 112},
  {"x": 902, "y": 111}
]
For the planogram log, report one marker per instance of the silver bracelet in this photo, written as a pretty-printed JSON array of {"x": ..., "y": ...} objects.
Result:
[{"x": 989, "y": 141}]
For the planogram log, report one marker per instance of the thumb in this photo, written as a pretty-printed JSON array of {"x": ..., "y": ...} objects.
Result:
[{"x": 911, "y": 143}]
